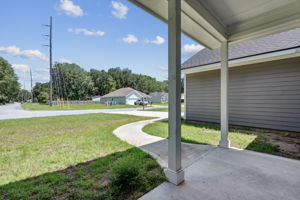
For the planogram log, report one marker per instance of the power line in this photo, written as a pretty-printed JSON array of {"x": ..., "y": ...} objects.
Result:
[
  {"x": 50, "y": 60},
  {"x": 31, "y": 86}
]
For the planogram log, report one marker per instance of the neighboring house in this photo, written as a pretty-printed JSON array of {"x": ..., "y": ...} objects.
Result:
[
  {"x": 123, "y": 96},
  {"x": 159, "y": 97},
  {"x": 264, "y": 83},
  {"x": 182, "y": 97},
  {"x": 96, "y": 98}
]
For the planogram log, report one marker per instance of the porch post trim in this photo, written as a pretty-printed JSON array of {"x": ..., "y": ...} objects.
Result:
[
  {"x": 224, "y": 142},
  {"x": 185, "y": 95},
  {"x": 174, "y": 172}
]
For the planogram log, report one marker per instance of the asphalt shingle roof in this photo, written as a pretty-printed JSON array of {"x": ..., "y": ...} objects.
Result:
[
  {"x": 123, "y": 92},
  {"x": 268, "y": 44}
]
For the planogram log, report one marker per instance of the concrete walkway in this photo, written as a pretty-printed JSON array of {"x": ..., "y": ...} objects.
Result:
[
  {"x": 216, "y": 173},
  {"x": 15, "y": 111}
]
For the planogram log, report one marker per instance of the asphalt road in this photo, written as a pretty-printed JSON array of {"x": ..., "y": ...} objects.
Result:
[{"x": 15, "y": 111}]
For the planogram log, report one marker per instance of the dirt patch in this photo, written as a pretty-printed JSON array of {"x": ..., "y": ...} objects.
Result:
[{"x": 288, "y": 143}]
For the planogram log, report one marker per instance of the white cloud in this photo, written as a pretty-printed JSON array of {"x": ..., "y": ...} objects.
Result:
[
  {"x": 20, "y": 68},
  {"x": 41, "y": 70},
  {"x": 86, "y": 31},
  {"x": 119, "y": 10},
  {"x": 64, "y": 60},
  {"x": 31, "y": 54},
  {"x": 191, "y": 49},
  {"x": 163, "y": 68},
  {"x": 70, "y": 8},
  {"x": 130, "y": 38},
  {"x": 158, "y": 40},
  {"x": 38, "y": 74}
]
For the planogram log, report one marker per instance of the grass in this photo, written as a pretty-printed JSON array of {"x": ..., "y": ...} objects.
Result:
[
  {"x": 163, "y": 109},
  {"x": 72, "y": 157},
  {"x": 157, "y": 109},
  {"x": 160, "y": 104},
  {"x": 210, "y": 134},
  {"x": 37, "y": 106}
]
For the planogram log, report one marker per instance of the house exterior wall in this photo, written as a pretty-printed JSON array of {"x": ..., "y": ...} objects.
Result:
[
  {"x": 132, "y": 98},
  {"x": 115, "y": 100},
  {"x": 265, "y": 95},
  {"x": 159, "y": 98}
]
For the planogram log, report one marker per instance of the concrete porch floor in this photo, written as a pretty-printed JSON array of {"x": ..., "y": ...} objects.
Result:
[{"x": 218, "y": 173}]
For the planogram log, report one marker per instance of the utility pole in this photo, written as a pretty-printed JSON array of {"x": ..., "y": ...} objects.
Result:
[
  {"x": 31, "y": 86},
  {"x": 50, "y": 60},
  {"x": 23, "y": 98}
]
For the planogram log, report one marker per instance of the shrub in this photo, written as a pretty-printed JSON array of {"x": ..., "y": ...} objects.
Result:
[
  {"x": 43, "y": 97},
  {"x": 124, "y": 177}
]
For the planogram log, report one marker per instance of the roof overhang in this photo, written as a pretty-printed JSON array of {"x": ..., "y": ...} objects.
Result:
[
  {"x": 279, "y": 55},
  {"x": 210, "y": 22}
]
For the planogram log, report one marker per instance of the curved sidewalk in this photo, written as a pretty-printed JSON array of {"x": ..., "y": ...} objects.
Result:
[
  {"x": 156, "y": 146},
  {"x": 15, "y": 111}
]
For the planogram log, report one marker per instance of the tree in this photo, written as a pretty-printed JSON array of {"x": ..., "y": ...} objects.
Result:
[
  {"x": 43, "y": 97},
  {"x": 143, "y": 83},
  {"x": 122, "y": 77},
  {"x": 24, "y": 95},
  {"x": 9, "y": 85},
  {"x": 40, "y": 88},
  {"x": 74, "y": 80},
  {"x": 103, "y": 83}
]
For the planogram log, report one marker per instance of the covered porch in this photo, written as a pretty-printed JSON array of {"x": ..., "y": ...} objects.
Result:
[{"x": 214, "y": 24}]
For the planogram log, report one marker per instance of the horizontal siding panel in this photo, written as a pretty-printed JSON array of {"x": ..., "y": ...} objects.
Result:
[
  {"x": 269, "y": 119},
  {"x": 264, "y": 106},
  {"x": 269, "y": 126},
  {"x": 270, "y": 112},
  {"x": 205, "y": 119},
  {"x": 258, "y": 122},
  {"x": 264, "y": 95}
]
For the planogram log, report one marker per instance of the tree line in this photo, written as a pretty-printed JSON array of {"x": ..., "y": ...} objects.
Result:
[
  {"x": 9, "y": 85},
  {"x": 72, "y": 82}
]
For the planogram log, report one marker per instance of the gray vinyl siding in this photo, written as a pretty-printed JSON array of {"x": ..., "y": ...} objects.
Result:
[
  {"x": 265, "y": 95},
  {"x": 115, "y": 100}
]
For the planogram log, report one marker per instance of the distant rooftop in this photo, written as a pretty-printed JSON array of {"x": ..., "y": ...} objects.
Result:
[
  {"x": 272, "y": 43},
  {"x": 123, "y": 92}
]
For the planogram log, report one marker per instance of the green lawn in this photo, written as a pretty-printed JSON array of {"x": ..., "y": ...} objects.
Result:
[
  {"x": 210, "y": 134},
  {"x": 163, "y": 109},
  {"x": 160, "y": 104},
  {"x": 157, "y": 109},
  {"x": 37, "y": 106},
  {"x": 73, "y": 157}
]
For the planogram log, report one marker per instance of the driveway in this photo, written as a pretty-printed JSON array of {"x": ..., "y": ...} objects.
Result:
[{"x": 15, "y": 111}]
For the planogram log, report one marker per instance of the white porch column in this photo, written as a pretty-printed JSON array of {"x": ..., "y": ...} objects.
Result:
[
  {"x": 224, "y": 142},
  {"x": 184, "y": 116},
  {"x": 174, "y": 172}
]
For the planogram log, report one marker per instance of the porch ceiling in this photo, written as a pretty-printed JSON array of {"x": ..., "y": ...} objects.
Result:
[{"x": 211, "y": 21}]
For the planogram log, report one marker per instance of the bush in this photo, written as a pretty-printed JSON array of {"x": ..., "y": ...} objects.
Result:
[
  {"x": 3, "y": 99},
  {"x": 124, "y": 177},
  {"x": 43, "y": 97}
]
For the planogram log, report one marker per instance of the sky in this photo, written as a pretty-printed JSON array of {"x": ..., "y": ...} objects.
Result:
[{"x": 95, "y": 34}]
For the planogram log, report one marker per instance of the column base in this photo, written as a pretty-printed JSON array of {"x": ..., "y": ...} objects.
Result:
[
  {"x": 174, "y": 177},
  {"x": 224, "y": 144}
]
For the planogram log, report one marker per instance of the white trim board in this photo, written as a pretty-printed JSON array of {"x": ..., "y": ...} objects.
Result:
[{"x": 279, "y": 55}]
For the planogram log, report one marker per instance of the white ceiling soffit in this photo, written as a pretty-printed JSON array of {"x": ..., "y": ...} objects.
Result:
[
  {"x": 193, "y": 24},
  {"x": 211, "y": 21}
]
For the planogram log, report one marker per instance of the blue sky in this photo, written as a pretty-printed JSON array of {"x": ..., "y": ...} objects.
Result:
[{"x": 98, "y": 34}]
